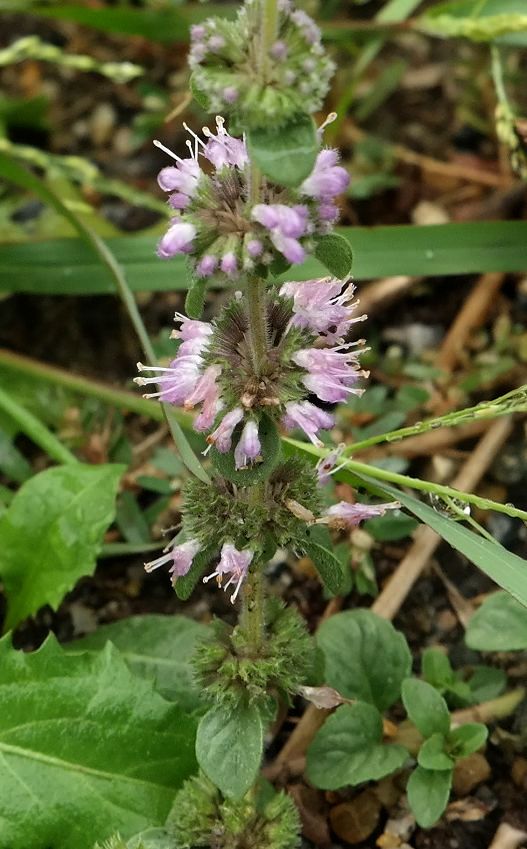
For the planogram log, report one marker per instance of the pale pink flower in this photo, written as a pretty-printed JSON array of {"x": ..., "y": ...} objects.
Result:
[{"x": 234, "y": 563}]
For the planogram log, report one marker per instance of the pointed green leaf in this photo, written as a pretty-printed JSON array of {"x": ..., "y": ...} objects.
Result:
[
  {"x": 316, "y": 543},
  {"x": 428, "y": 791},
  {"x": 466, "y": 739},
  {"x": 285, "y": 154},
  {"x": 195, "y": 299},
  {"x": 229, "y": 748},
  {"x": 348, "y": 749},
  {"x": 432, "y": 754},
  {"x": 52, "y": 533},
  {"x": 366, "y": 658},
  {"x": 155, "y": 647},
  {"x": 86, "y": 749},
  {"x": 334, "y": 251},
  {"x": 426, "y": 707}
]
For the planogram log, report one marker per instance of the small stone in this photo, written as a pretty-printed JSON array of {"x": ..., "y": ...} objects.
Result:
[
  {"x": 354, "y": 821},
  {"x": 469, "y": 772}
]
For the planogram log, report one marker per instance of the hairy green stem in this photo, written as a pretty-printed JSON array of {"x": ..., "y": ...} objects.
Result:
[
  {"x": 252, "y": 617},
  {"x": 269, "y": 32},
  {"x": 511, "y": 402},
  {"x": 36, "y": 430}
]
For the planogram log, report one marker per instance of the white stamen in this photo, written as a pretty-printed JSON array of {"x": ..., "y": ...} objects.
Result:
[{"x": 167, "y": 151}]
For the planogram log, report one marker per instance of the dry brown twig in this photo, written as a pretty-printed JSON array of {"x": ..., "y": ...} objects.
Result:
[
  {"x": 471, "y": 316},
  {"x": 508, "y": 837}
]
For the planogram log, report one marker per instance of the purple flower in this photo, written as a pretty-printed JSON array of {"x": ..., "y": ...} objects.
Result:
[
  {"x": 191, "y": 328},
  {"x": 323, "y": 305},
  {"x": 234, "y": 563},
  {"x": 306, "y": 25},
  {"x": 332, "y": 372},
  {"x": 176, "y": 382},
  {"x": 328, "y": 465},
  {"x": 248, "y": 447},
  {"x": 177, "y": 240},
  {"x": 327, "y": 178},
  {"x": 254, "y": 248},
  {"x": 230, "y": 94},
  {"x": 349, "y": 515},
  {"x": 207, "y": 265},
  {"x": 182, "y": 177},
  {"x": 205, "y": 390},
  {"x": 181, "y": 557},
  {"x": 286, "y": 225},
  {"x": 307, "y": 417},
  {"x": 223, "y": 149},
  {"x": 279, "y": 50},
  {"x": 229, "y": 263},
  {"x": 222, "y": 436}
]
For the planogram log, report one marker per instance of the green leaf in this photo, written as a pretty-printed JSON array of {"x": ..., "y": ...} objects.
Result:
[
  {"x": 504, "y": 567},
  {"x": 334, "y": 252},
  {"x": 185, "y": 585},
  {"x": 195, "y": 299},
  {"x": 52, "y": 533},
  {"x": 432, "y": 754},
  {"x": 500, "y": 624},
  {"x": 428, "y": 791},
  {"x": 229, "y": 747},
  {"x": 348, "y": 749},
  {"x": 394, "y": 525},
  {"x": 156, "y": 647},
  {"x": 271, "y": 447},
  {"x": 68, "y": 266},
  {"x": 466, "y": 739},
  {"x": 486, "y": 683},
  {"x": 316, "y": 543},
  {"x": 87, "y": 749},
  {"x": 426, "y": 707},
  {"x": 366, "y": 658},
  {"x": 286, "y": 154},
  {"x": 436, "y": 669},
  {"x": 501, "y": 20}
]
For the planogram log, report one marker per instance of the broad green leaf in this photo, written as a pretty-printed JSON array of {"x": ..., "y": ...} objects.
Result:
[
  {"x": 156, "y": 647},
  {"x": 432, "y": 754},
  {"x": 229, "y": 747},
  {"x": 86, "y": 749},
  {"x": 505, "y": 568},
  {"x": 366, "y": 658},
  {"x": 466, "y": 739},
  {"x": 68, "y": 266},
  {"x": 334, "y": 252},
  {"x": 285, "y": 154},
  {"x": 271, "y": 447},
  {"x": 500, "y": 624},
  {"x": 426, "y": 707},
  {"x": 348, "y": 749},
  {"x": 428, "y": 791},
  {"x": 52, "y": 533}
]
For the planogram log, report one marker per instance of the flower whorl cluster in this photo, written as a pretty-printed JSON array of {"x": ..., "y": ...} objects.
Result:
[
  {"x": 290, "y": 79},
  {"x": 308, "y": 358},
  {"x": 215, "y": 225}
]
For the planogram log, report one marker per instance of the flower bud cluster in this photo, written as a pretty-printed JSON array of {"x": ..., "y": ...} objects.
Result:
[
  {"x": 291, "y": 78},
  {"x": 215, "y": 225}
]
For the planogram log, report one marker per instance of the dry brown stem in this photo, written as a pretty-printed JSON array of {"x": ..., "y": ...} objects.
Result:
[
  {"x": 508, "y": 837},
  {"x": 471, "y": 316}
]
